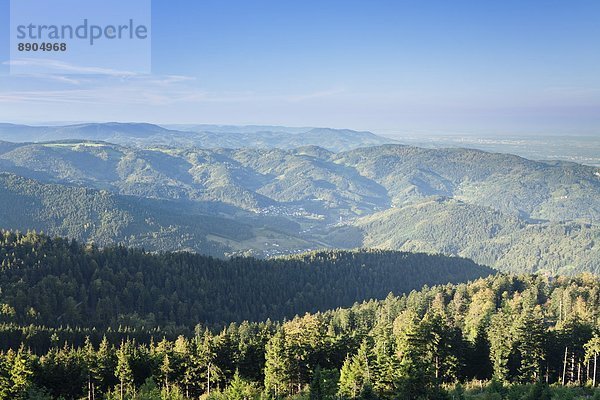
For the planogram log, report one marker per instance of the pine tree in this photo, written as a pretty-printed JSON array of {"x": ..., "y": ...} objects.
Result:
[
  {"x": 349, "y": 385},
  {"x": 166, "y": 370},
  {"x": 416, "y": 373},
  {"x": 530, "y": 341},
  {"x": 105, "y": 365},
  {"x": 20, "y": 373},
  {"x": 500, "y": 338},
  {"x": 355, "y": 373},
  {"x": 478, "y": 364},
  {"x": 183, "y": 368},
  {"x": 123, "y": 371},
  {"x": 277, "y": 366},
  {"x": 91, "y": 367},
  {"x": 386, "y": 362},
  {"x": 204, "y": 367}
]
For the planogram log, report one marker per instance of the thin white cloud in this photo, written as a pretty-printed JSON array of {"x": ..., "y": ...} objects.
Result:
[
  {"x": 69, "y": 79},
  {"x": 140, "y": 89},
  {"x": 109, "y": 95},
  {"x": 56, "y": 66}
]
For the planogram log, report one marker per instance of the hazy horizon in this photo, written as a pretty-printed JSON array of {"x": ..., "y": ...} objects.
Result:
[
  {"x": 494, "y": 68},
  {"x": 390, "y": 133}
]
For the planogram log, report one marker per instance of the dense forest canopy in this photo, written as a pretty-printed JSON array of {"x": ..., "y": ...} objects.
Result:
[
  {"x": 515, "y": 329},
  {"x": 56, "y": 282}
]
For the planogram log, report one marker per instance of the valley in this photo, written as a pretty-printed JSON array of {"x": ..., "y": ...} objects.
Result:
[{"x": 498, "y": 209}]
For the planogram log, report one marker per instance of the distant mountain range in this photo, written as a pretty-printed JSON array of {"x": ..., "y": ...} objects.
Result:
[
  {"x": 500, "y": 210},
  {"x": 206, "y": 136}
]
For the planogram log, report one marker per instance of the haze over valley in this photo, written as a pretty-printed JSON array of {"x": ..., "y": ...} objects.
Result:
[{"x": 289, "y": 190}]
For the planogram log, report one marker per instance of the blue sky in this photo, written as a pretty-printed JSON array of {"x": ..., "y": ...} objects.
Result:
[{"x": 452, "y": 66}]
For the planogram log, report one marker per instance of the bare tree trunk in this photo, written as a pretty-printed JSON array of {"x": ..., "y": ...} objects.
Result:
[
  {"x": 595, "y": 363},
  {"x": 565, "y": 366},
  {"x": 560, "y": 311},
  {"x": 579, "y": 373},
  {"x": 587, "y": 377},
  {"x": 572, "y": 369},
  {"x": 208, "y": 379}
]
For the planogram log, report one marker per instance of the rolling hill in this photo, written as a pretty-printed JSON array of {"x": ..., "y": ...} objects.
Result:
[
  {"x": 485, "y": 235},
  {"x": 105, "y": 218},
  {"x": 501, "y": 210}
]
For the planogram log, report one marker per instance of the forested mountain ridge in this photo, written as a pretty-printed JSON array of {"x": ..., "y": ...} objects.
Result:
[
  {"x": 487, "y": 236},
  {"x": 350, "y": 183},
  {"x": 57, "y": 282},
  {"x": 251, "y": 179},
  {"x": 106, "y": 218},
  {"x": 535, "y": 215},
  {"x": 554, "y": 191}
]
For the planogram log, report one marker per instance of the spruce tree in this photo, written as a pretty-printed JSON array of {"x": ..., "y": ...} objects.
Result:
[
  {"x": 123, "y": 371},
  {"x": 277, "y": 366}
]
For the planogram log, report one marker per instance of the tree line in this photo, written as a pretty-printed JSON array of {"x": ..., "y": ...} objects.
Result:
[
  {"x": 427, "y": 344},
  {"x": 56, "y": 282}
]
